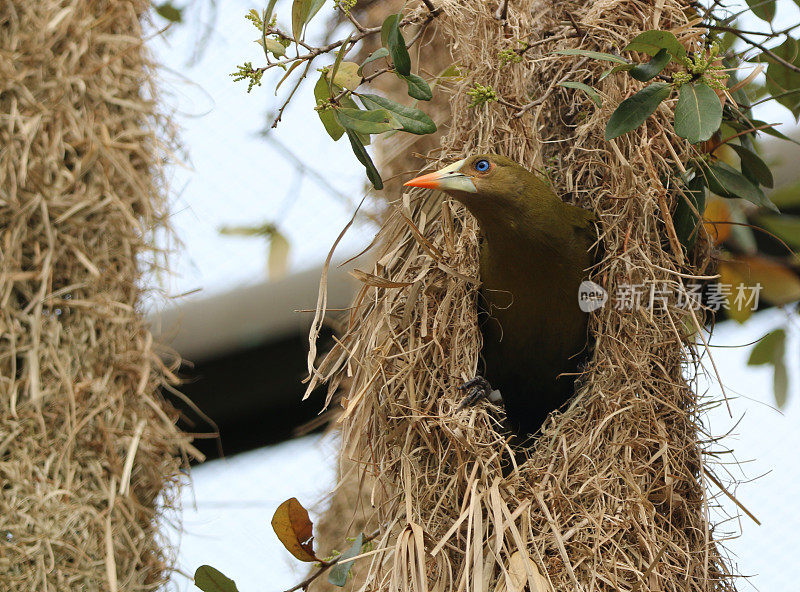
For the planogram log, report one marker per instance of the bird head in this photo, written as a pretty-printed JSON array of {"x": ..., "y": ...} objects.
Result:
[{"x": 490, "y": 185}]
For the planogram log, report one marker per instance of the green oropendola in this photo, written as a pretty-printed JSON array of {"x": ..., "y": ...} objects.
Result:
[{"x": 535, "y": 252}]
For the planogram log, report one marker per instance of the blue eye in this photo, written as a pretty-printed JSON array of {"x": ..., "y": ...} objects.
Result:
[{"x": 482, "y": 166}]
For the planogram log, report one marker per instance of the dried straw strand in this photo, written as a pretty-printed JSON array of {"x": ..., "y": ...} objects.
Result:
[{"x": 90, "y": 456}]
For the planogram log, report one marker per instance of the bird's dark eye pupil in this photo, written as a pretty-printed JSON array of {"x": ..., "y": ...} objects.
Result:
[{"x": 482, "y": 165}]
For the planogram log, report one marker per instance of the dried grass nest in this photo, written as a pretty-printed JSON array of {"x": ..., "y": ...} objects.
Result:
[
  {"x": 612, "y": 495},
  {"x": 90, "y": 457}
]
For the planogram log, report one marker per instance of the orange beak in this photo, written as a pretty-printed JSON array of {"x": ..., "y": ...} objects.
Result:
[
  {"x": 429, "y": 181},
  {"x": 450, "y": 178}
]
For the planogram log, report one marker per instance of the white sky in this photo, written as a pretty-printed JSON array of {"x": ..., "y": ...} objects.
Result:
[
  {"x": 237, "y": 178},
  {"x": 234, "y": 177}
]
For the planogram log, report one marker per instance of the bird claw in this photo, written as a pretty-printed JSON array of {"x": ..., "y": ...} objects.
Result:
[{"x": 478, "y": 388}]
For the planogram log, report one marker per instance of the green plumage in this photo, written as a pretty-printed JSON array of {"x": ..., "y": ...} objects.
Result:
[{"x": 535, "y": 252}]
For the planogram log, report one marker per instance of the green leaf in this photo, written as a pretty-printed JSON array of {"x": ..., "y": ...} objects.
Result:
[
  {"x": 763, "y": 9},
  {"x": 392, "y": 39},
  {"x": 363, "y": 157},
  {"x": 322, "y": 96},
  {"x": 375, "y": 121},
  {"x": 784, "y": 226},
  {"x": 286, "y": 75},
  {"x": 379, "y": 53},
  {"x": 726, "y": 181},
  {"x": 634, "y": 111},
  {"x": 615, "y": 69},
  {"x": 771, "y": 131},
  {"x": 698, "y": 113},
  {"x": 644, "y": 72},
  {"x": 315, "y": 6},
  {"x": 593, "y": 94},
  {"x": 413, "y": 120},
  {"x": 339, "y": 572},
  {"x": 753, "y": 167},
  {"x": 452, "y": 71},
  {"x": 741, "y": 233},
  {"x": 302, "y": 12},
  {"x": 771, "y": 349},
  {"x": 768, "y": 348},
  {"x": 685, "y": 219},
  {"x": 418, "y": 88},
  {"x": 780, "y": 78},
  {"x": 269, "y": 10},
  {"x": 168, "y": 11},
  {"x": 387, "y": 24},
  {"x": 651, "y": 42},
  {"x": 209, "y": 579},
  {"x": 727, "y": 41},
  {"x": 598, "y": 55},
  {"x": 265, "y": 230}
]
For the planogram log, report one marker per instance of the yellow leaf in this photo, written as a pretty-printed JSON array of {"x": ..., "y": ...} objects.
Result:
[
  {"x": 294, "y": 529},
  {"x": 730, "y": 274},
  {"x": 273, "y": 46},
  {"x": 347, "y": 76},
  {"x": 715, "y": 219},
  {"x": 779, "y": 284},
  {"x": 278, "y": 258},
  {"x": 727, "y": 155}
]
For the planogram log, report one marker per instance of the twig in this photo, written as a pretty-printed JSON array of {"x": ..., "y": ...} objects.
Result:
[
  {"x": 548, "y": 39},
  {"x": 741, "y": 133},
  {"x": 291, "y": 94},
  {"x": 353, "y": 20},
  {"x": 313, "y": 52},
  {"x": 528, "y": 106},
  {"x": 502, "y": 11},
  {"x": 326, "y": 565},
  {"x": 744, "y": 38},
  {"x": 434, "y": 11},
  {"x": 731, "y": 497},
  {"x": 575, "y": 25},
  {"x": 316, "y": 51},
  {"x": 779, "y": 95},
  {"x": 428, "y": 20},
  {"x": 508, "y": 104}
]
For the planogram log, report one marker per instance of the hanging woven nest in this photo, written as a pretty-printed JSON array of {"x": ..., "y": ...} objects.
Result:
[
  {"x": 89, "y": 453},
  {"x": 611, "y": 496}
]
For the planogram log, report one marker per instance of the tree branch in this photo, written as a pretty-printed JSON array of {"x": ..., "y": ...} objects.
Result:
[
  {"x": 313, "y": 52},
  {"x": 756, "y": 44},
  {"x": 326, "y": 565},
  {"x": 787, "y": 93},
  {"x": 291, "y": 94},
  {"x": 433, "y": 10}
]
